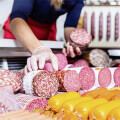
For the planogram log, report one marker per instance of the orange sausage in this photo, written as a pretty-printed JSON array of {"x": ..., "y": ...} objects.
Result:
[
  {"x": 94, "y": 93},
  {"x": 108, "y": 94}
]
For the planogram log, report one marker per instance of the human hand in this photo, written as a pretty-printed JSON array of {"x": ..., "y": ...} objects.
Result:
[{"x": 37, "y": 61}]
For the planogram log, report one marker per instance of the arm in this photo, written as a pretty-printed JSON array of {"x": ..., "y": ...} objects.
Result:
[
  {"x": 70, "y": 25},
  {"x": 24, "y": 34},
  {"x": 18, "y": 26}
]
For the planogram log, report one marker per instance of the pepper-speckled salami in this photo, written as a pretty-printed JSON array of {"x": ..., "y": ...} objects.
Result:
[
  {"x": 31, "y": 103},
  {"x": 62, "y": 61},
  {"x": 80, "y": 63},
  {"x": 45, "y": 84},
  {"x": 104, "y": 77},
  {"x": 80, "y": 37},
  {"x": 97, "y": 58},
  {"x": 117, "y": 76},
  {"x": 87, "y": 78},
  {"x": 69, "y": 80},
  {"x": 10, "y": 78}
]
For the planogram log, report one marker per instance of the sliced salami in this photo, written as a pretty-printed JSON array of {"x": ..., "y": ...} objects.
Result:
[
  {"x": 80, "y": 63},
  {"x": 10, "y": 78},
  {"x": 69, "y": 80},
  {"x": 87, "y": 78},
  {"x": 117, "y": 76},
  {"x": 80, "y": 37},
  {"x": 104, "y": 77},
  {"x": 31, "y": 103},
  {"x": 45, "y": 84},
  {"x": 62, "y": 61}
]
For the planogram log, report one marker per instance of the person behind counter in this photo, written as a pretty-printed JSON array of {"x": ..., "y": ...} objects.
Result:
[{"x": 34, "y": 20}]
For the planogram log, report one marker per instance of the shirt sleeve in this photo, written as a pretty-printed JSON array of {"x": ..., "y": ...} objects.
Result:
[
  {"x": 74, "y": 14},
  {"x": 22, "y": 9}
]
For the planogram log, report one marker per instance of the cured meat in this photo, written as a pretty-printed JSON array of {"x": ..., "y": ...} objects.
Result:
[
  {"x": 8, "y": 102},
  {"x": 80, "y": 63},
  {"x": 80, "y": 37},
  {"x": 69, "y": 80},
  {"x": 45, "y": 84},
  {"x": 97, "y": 58},
  {"x": 31, "y": 103},
  {"x": 48, "y": 67},
  {"x": 104, "y": 77},
  {"x": 87, "y": 78},
  {"x": 10, "y": 78},
  {"x": 117, "y": 76},
  {"x": 62, "y": 61}
]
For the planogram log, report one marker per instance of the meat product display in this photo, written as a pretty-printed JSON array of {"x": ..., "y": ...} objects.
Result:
[
  {"x": 108, "y": 32},
  {"x": 97, "y": 58},
  {"x": 87, "y": 78},
  {"x": 10, "y": 78},
  {"x": 80, "y": 63},
  {"x": 69, "y": 80},
  {"x": 45, "y": 84},
  {"x": 31, "y": 103},
  {"x": 80, "y": 38},
  {"x": 117, "y": 76},
  {"x": 62, "y": 61},
  {"x": 104, "y": 77}
]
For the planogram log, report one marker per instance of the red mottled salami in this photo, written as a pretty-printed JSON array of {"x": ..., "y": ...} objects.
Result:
[
  {"x": 80, "y": 63},
  {"x": 87, "y": 78},
  {"x": 48, "y": 67},
  {"x": 69, "y": 80},
  {"x": 80, "y": 37},
  {"x": 31, "y": 102},
  {"x": 10, "y": 78},
  {"x": 62, "y": 61},
  {"x": 117, "y": 76},
  {"x": 45, "y": 84},
  {"x": 104, "y": 77}
]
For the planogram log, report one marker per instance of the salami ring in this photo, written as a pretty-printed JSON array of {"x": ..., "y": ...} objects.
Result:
[
  {"x": 104, "y": 77},
  {"x": 80, "y": 37},
  {"x": 87, "y": 78},
  {"x": 45, "y": 84}
]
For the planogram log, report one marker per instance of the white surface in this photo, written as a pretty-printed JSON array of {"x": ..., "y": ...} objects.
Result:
[
  {"x": 9, "y": 43},
  {"x": 114, "y": 52}
]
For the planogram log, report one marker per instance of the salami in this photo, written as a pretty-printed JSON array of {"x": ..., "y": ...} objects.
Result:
[
  {"x": 31, "y": 103},
  {"x": 87, "y": 78},
  {"x": 80, "y": 63},
  {"x": 104, "y": 77},
  {"x": 48, "y": 67},
  {"x": 10, "y": 78},
  {"x": 45, "y": 84},
  {"x": 80, "y": 37},
  {"x": 62, "y": 61},
  {"x": 97, "y": 58},
  {"x": 117, "y": 76},
  {"x": 69, "y": 80}
]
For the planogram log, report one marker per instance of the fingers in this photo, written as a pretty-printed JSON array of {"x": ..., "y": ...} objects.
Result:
[
  {"x": 41, "y": 62},
  {"x": 25, "y": 70},
  {"x": 29, "y": 65},
  {"x": 33, "y": 62},
  {"x": 54, "y": 62},
  {"x": 64, "y": 51},
  {"x": 78, "y": 51},
  {"x": 72, "y": 54},
  {"x": 68, "y": 48}
]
